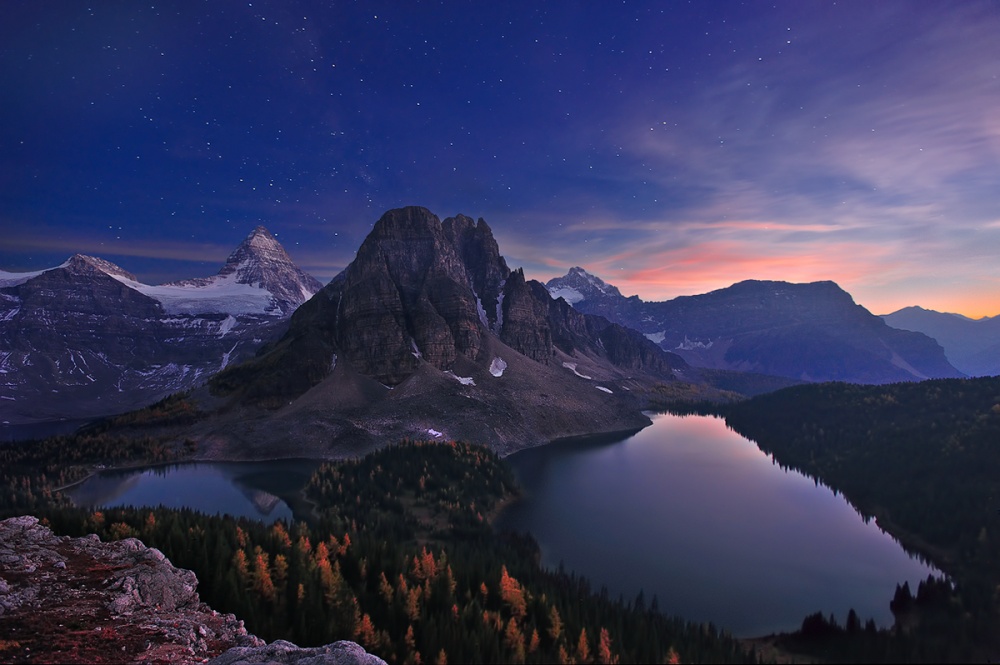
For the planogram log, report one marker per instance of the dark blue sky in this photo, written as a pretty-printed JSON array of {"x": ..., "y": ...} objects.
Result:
[{"x": 670, "y": 148}]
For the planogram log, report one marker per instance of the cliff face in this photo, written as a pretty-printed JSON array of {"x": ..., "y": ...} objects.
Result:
[{"x": 79, "y": 600}]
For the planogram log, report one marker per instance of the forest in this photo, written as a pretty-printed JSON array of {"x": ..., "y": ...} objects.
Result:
[
  {"x": 399, "y": 556},
  {"x": 923, "y": 460}
]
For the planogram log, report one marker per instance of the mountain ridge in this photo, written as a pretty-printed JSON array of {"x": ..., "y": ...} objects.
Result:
[
  {"x": 812, "y": 332},
  {"x": 971, "y": 345}
]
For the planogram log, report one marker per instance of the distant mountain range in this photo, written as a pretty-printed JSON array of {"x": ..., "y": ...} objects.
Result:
[
  {"x": 86, "y": 338},
  {"x": 971, "y": 345},
  {"x": 811, "y": 332}
]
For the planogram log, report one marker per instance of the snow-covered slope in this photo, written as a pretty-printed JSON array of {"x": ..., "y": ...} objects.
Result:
[
  {"x": 86, "y": 338},
  {"x": 258, "y": 278}
]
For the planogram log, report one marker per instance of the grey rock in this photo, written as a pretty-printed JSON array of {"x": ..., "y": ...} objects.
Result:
[
  {"x": 281, "y": 652},
  {"x": 155, "y": 607}
]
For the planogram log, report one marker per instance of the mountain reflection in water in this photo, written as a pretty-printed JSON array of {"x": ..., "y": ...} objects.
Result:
[{"x": 258, "y": 490}]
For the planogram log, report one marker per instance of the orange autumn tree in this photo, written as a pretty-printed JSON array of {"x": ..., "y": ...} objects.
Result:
[
  {"x": 514, "y": 639},
  {"x": 583, "y": 647},
  {"x": 512, "y": 594},
  {"x": 604, "y": 654}
]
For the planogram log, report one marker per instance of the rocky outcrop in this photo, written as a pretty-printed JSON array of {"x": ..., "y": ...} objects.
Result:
[
  {"x": 280, "y": 652},
  {"x": 80, "y": 600}
]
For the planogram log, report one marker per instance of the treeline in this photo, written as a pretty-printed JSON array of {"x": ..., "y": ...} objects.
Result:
[
  {"x": 924, "y": 460},
  {"x": 31, "y": 470},
  {"x": 401, "y": 558}
]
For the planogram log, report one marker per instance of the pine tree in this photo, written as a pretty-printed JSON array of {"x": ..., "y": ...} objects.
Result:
[
  {"x": 582, "y": 647},
  {"x": 514, "y": 640}
]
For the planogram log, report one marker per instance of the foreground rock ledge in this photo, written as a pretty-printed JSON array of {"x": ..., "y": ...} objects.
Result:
[{"x": 79, "y": 600}]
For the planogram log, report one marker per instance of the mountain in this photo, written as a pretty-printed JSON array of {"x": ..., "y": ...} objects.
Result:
[
  {"x": 811, "y": 332},
  {"x": 429, "y": 334},
  {"x": 87, "y": 339},
  {"x": 258, "y": 278},
  {"x": 971, "y": 345}
]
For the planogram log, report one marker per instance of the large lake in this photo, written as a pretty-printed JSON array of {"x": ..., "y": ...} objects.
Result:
[
  {"x": 694, "y": 513},
  {"x": 259, "y": 490},
  {"x": 686, "y": 509}
]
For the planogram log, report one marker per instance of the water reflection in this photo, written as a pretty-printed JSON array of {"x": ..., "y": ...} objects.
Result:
[
  {"x": 260, "y": 490},
  {"x": 691, "y": 511}
]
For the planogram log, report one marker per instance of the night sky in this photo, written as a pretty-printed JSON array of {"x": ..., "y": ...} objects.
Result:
[{"x": 670, "y": 148}]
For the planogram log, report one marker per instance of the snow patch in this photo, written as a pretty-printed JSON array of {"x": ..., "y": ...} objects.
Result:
[
  {"x": 656, "y": 338},
  {"x": 16, "y": 278},
  {"x": 226, "y": 356},
  {"x": 607, "y": 390},
  {"x": 227, "y": 325},
  {"x": 498, "y": 366},
  {"x": 567, "y": 293},
  {"x": 333, "y": 362},
  {"x": 436, "y": 434},
  {"x": 572, "y": 367},
  {"x": 464, "y": 380},
  {"x": 414, "y": 350}
]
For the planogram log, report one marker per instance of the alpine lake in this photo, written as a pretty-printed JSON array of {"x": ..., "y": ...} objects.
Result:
[{"x": 685, "y": 510}]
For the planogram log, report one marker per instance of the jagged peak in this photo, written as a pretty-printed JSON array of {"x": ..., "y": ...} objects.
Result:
[{"x": 578, "y": 284}]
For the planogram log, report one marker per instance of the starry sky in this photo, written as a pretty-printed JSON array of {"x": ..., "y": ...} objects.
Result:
[{"x": 670, "y": 148}]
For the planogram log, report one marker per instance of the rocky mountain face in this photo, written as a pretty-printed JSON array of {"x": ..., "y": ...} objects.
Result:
[
  {"x": 971, "y": 345},
  {"x": 79, "y": 600},
  {"x": 811, "y": 332},
  {"x": 86, "y": 339},
  {"x": 428, "y": 331}
]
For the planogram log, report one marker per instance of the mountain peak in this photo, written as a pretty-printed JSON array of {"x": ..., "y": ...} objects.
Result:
[
  {"x": 261, "y": 262},
  {"x": 578, "y": 285},
  {"x": 82, "y": 264},
  {"x": 259, "y": 245}
]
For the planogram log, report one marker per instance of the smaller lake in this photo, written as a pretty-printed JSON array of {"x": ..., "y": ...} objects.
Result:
[
  {"x": 694, "y": 513},
  {"x": 266, "y": 491}
]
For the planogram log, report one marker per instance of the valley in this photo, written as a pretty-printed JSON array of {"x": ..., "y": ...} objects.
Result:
[{"x": 428, "y": 340}]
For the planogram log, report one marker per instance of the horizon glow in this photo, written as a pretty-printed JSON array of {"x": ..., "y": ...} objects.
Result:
[{"x": 670, "y": 150}]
